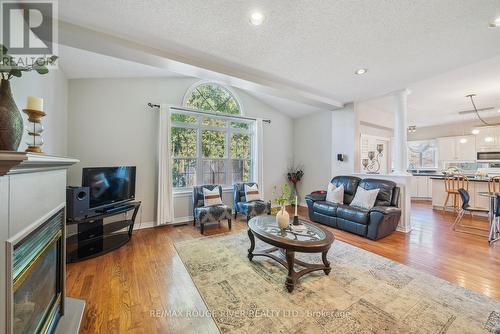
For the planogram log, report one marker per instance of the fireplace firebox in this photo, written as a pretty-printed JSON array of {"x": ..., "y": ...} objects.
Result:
[{"x": 35, "y": 274}]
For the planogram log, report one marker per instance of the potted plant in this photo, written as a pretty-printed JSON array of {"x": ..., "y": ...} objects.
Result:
[
  {"x": 11, "y": 121},
  {"x": 281, "y": 197}
]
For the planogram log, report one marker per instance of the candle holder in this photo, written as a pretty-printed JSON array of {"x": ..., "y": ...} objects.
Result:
[
  {"x": 296, "y": 220},
  {"x": 372, "y": 164},
  {"x": 35, "y": 129}
]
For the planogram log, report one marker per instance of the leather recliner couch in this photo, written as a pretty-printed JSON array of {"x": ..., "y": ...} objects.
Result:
[{"x": 376, "y": 223}]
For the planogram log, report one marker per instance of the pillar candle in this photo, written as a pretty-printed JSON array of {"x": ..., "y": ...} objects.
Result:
[
  {"x": 35, "y": 103},
  {"x": 296, "y": 205}
]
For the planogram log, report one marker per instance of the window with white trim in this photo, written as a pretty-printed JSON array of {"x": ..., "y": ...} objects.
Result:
[{"x": 210, "y": 149}]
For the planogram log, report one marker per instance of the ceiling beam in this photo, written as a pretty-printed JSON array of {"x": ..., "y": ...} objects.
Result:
[{"x": 204, "y": 67}]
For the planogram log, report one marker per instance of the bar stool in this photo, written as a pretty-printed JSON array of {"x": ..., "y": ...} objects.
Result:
[
  {"x": 464, "y": 194},
  {"x": 494, "y": 184},
  {"x": 451, "y": 185}
]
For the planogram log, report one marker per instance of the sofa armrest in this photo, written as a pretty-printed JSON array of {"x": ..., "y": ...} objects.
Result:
[
  {"x": 316, "y": 196},
  {"x": 386, "y": 210},
  {"x": 383, "y": 221}
]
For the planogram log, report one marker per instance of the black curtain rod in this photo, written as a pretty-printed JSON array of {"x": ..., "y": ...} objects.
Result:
[{"x": 151, "y": 105}]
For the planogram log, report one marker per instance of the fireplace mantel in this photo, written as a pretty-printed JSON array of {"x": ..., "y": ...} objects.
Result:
[{"x": 22, "y": 162}]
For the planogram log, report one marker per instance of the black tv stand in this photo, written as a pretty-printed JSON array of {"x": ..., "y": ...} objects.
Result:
[{"x": 95, "y": 238}]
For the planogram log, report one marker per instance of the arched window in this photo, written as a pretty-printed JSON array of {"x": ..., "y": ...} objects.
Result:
[
  {"x": 212, "y": 97},
  {"x": 208, "y": 148}
]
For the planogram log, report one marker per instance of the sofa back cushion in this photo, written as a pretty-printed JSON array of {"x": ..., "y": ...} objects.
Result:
[
  {"x": 350, "y": 184},
  {"x": 386, "y": 190}
]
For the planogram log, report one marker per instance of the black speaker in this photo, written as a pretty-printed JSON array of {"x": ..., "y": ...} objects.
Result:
[{"x": 77, "y": 202}]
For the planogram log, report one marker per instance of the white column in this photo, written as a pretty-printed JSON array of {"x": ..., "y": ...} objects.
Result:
[
  {"x": 400, "y": 159},
  {"x": 400, "y": 131}
]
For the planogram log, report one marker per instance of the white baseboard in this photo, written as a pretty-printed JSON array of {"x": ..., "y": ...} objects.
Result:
[
  {"x": 404, "y": 229},
  {"x": 140, "y": 226},
  {"x": 177, "y": 221},
  {"x": 187, "y": 219}
]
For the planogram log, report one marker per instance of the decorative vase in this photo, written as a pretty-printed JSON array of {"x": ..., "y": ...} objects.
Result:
[
  {"x": 283, "y": 218},
  {"x": 11, "y": 121}
]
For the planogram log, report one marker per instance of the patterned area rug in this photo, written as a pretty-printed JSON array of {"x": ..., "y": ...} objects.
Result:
[{"x": 364, "y": 293}]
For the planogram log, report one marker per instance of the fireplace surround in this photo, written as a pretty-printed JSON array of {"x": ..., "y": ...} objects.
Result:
[
  {"x": 32, "y": 254},
  {"x": 35, "y": 273}
]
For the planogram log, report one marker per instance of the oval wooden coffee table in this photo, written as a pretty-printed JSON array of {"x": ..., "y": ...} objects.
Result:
[{"x": 315, "y": 239}]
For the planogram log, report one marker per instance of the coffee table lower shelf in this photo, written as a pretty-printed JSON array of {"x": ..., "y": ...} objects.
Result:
[{"x": 286, "y": 258}]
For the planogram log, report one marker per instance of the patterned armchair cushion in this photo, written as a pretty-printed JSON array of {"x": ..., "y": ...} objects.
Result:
[
  {"x": 214, "y": 213},
  {"x": 253, "y": 208},
  {"x": 198, "y": 197}
]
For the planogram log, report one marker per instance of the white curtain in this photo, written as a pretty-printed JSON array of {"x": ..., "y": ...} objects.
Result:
[
  {"x": 258, "y": 166},
  {"x": 165, "y": 205}
]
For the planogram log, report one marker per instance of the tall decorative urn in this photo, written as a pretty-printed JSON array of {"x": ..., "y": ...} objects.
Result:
[{"x": 11, "y": 121}]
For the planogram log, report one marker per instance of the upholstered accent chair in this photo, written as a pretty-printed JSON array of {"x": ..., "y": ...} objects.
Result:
[
  {"x": 249, "y": 209},
  {"x": 208, "y": 214}
]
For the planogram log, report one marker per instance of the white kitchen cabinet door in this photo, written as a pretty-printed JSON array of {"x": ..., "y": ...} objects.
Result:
[
  {"x": 446, "y": 147},
  {"x": 429, "y": 187},
  {"x": 414, "y": 186},
  {"x": 465, "y": 151},
  {"x": 481, "y": 201},
  {"x": 488, "y": 138},
  {"x": 422, "y": 187}
]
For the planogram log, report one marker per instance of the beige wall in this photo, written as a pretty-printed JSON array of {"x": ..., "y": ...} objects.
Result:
[
  {"x": 109, "y": 124},
  {"x": 53, "y": 88},
  {"x": 318, "y": 138}
]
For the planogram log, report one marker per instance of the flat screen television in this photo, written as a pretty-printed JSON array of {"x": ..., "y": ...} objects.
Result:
[{"x": 109, "y": 185}]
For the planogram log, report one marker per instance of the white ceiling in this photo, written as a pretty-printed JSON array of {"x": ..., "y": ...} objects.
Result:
[
  {"x": 439, "y": 100},
  {"x": 81, "y": 64},
  {"x": 316, "y": 44}
]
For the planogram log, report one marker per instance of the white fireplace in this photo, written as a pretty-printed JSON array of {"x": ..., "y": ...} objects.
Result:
[{"x": 32, "y": 254}]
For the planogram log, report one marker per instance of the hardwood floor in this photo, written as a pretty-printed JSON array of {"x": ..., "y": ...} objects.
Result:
[{"x": 124, "y": 289}]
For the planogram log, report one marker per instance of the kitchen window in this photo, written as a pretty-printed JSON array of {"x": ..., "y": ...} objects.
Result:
[{"x": 422, "y": 154}]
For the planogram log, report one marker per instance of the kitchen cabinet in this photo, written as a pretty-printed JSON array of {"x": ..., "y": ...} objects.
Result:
[
  {"x": 488, "y": 139},
  {"x": 446, "y": 148},
  {"x": 461, "y": 148},
  {"x": 421, "y": 187},
  {"x": 414, "y": 186}
]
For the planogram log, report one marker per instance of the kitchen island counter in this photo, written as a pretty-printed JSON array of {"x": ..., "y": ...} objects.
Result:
[
  {"x": 470, "y": 178},
  {"x": 476, "y": 185}
]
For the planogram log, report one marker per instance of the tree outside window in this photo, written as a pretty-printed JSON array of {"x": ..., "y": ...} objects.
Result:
[{"x": 211, "y": 149}]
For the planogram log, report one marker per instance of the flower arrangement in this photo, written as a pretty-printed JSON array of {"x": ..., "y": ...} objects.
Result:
[{"x": 294, "y": 175}]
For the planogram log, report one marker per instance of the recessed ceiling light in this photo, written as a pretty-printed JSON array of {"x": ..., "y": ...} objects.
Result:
[
  {"x": 361, "y": 71},
  {"x": 463, "y": 140},
  {"x": 256, "y": 18},
  {"x": 475, "y": 131},
  {"x": 495, "y": 24}
]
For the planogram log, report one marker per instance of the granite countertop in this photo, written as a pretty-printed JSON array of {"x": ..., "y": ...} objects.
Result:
[{"x": 471, "y": 178}]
